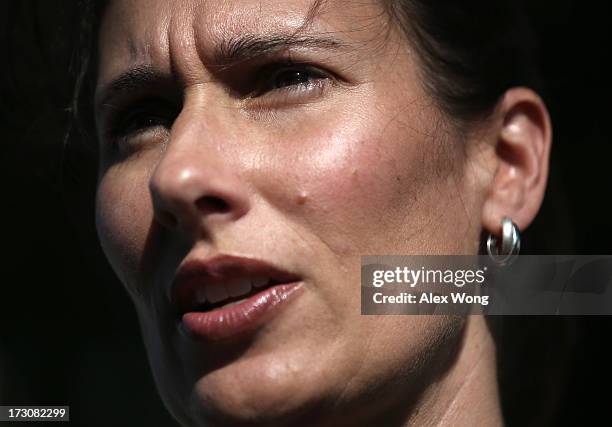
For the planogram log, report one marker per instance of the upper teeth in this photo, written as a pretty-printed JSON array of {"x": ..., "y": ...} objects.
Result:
[{"x": 232, "y": 288}]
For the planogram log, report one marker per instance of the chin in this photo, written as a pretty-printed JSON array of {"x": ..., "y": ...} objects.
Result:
[{"x": 261, "y": 391}]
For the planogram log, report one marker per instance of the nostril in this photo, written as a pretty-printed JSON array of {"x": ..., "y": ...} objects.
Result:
[{"x": 212, "y": 204}]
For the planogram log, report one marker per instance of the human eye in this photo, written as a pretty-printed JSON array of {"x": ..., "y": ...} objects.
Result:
[
  {"x": 289, "y": 84},
  {"x": 131, "y": 126}
]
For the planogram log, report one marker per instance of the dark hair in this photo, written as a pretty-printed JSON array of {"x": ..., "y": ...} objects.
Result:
[
  {"x": 83, "y": 68},
  {"x": 471, "y": 51}
]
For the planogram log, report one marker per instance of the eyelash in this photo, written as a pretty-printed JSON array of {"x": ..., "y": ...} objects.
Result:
[
  {"x": 284, "y": 70},
  {"x": 128, "y": 121},
  {"x": 138, "y": 117}
]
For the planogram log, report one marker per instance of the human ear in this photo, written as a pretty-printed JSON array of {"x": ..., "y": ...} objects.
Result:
[{"x": 523, "y": 137}]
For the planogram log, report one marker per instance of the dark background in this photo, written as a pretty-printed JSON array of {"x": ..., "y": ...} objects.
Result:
[{"x": 68, "y": 333}]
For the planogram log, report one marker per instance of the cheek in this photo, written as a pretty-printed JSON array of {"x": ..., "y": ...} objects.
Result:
[
  {"x": 356, "y": 183},
  {"x": 123, "y": 218}
]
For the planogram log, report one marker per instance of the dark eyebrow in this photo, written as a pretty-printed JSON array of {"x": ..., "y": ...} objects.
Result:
[
  {"x": 137, "y": 78},
  {"x": 244, "y": 47},
  {"x": 229, "y": 52}
]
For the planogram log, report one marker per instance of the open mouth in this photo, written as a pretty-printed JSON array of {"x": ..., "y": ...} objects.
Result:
[
  {"x": 220, "y": 296},
  {"x": 226, "y": 296}
]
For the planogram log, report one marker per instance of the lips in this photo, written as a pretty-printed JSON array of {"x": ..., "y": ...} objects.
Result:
[{"x": 226, "y": 295}]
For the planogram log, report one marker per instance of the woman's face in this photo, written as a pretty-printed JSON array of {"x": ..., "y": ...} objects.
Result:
[{"x": 262, "y": 138}]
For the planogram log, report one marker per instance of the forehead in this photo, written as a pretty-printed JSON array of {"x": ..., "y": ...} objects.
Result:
[{"x": 162, "y": 32}]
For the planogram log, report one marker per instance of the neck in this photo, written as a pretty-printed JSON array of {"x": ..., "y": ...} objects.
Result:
[
  {"x": 465, "y": 394},
  {"x": 468, "y": 394}
]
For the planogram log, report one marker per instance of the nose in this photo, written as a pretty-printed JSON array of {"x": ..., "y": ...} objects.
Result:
[{"x": 193, "y": 189}]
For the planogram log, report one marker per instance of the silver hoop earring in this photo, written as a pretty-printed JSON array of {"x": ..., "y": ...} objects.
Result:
[{"x": 506, "y": 252}]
